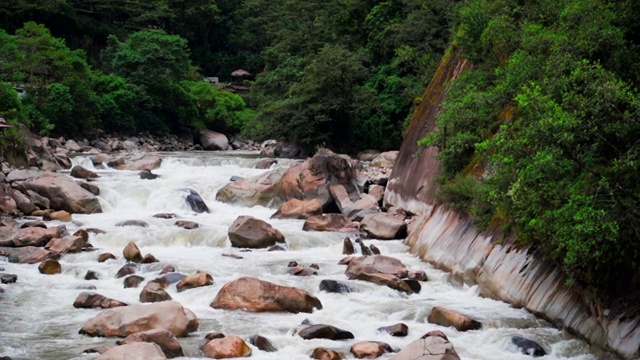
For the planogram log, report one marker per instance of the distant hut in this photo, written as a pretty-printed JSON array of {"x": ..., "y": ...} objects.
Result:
[
  {"x": 241, "y": 74},
  {"x": 238, "y": 83}
]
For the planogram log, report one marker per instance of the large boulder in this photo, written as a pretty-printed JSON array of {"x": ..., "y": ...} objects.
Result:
[
  {"x": 249, "y": 232},
  {"x": 169, "y": 344},
  {"x": 384, "y": 226},
  {"x": 87, "y": 300},
  {"x": 81, "y": 172},
  {"x": 255, "y": 190},
  {"x": 29, "y": 255},
  {"x": 134, "y": 351},
  {"x": 31, "y": 236},
  {"x": 298, "y": 209},
  {"x": 63, "y": 193},
  {"x": 154, "y": 292},
  {"x": 376, "y": 264},
  {"x": 330, "y": 222},
  {"x": 198, "y": 279},
  {"x": 23, "y": 202},
  {"x": 126, "y": 320},
  {"x": 323, "y": 331},
  {"x": 433, "y": 345},
  {"x": 142, "y": 161},
  {"x": 385, "y": 160},
  {"x": 230, "y": 346},
  {"x": 132, "y": 253},
  {"x": 7, "y": 204},
  {"x": 67, "y": 244},
  {"x": 50, "y": 267},
  {"x": 251, "y": 294},
  {"x": 446, "y": 317},
  {"x": 212, "y": 140},
  {"x": 370, "y": 349},
  {"x": 195, "y": 202}
]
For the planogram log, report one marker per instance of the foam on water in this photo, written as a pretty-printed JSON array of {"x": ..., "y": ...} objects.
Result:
[{"x": 38, "y": 321}]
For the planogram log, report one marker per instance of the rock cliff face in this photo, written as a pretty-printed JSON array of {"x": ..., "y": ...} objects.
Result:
[{"x": 450, "y": 241}]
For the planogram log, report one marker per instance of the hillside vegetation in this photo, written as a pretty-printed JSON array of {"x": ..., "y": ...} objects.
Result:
[{"x": 542, "y": 137}]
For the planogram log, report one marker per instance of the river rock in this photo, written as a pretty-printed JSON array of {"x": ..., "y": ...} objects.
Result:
[
  {"x": 298, "y": 209},
  {"x": 138, "y": 162},
  {"x": 388, "y": 280},
  {"x": 63, "y": 193},
  {"x": 72, "y": 146},
  {"x": 23, "y": 202},
  {"x": 83, "y": 173},
  {"x": 301, "y": 271},
  {"x": 329, "y": 222},
  {"x": 354, "y": 210},
  {"x": 195, "y": 202},
  {"x": 385, "y": 160},
  {"x": 433, "y": 345},
  {"x": 384, "y": 226},
  {"x": 213, "y": 335},
  {"x": 528, "y": 347},
  {"x": 249, "y": 232},
  {"x": 230, "y": 346},
  {"x": 146, "y": 174},
  {"x": 198, "y": 279},
  {"x": 446, "y": 317},
  {"x": 132, "y": 253},
  {"x": 165, "y": 215},
  {"x": 133, "y": 281},
  {"x": 106, "y": 256},
  {"x": 33, "y": 223},
  {"x": 266, "y": 164},
  {"x": 251, "y": 191},
  {"x": 148, "y": 259},
  {"x": 126, "y": 320},
  {"x": 95, "y": 190},
  {"x": 262, "y": 343},
  {"x": 67, "y": 244},
  {"x": 334, "y": 286},
  {"x": 189, "y": 225},
  {"x": 251, "y": 294},
  {"x": 169, "y": 344},
  {"x": 323, "y": 331},
  {"x": 31, "y": 236},
  {"x": 7, "y": 203},
  {"x": 376, "y": 264},
  {"x": 321, "y": 353},
  {"x": 399, "y": 329},
  {"x": 87, "y": 300},
  {"x": 125, "y": 270},
  {"x": 212, "y": 140},
  {"x": 62, "y": 160},
  {"x": 50, "y": 267},
  {"x": 134, "y": 351},
  {"x": 370, "y": 349},
  {"x": 173, "y": 277},
  {"x": 368, "y": 155},
  {"x": 347, "y": 247},
  {"x": 91, "y": 275},
  {"x": 154, "y": 292},
  {"x": 38, "y": 200},
  {"x": 29, "y": 255},
  {"x": 377, "y": 191},
  {"x": 8, "y": 278}
]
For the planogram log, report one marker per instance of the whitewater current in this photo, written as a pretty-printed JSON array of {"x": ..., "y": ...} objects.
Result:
[{"x": 38, "y": 320}]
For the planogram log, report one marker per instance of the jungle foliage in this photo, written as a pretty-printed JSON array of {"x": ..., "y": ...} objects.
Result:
[{"x": 542, "y": 137}]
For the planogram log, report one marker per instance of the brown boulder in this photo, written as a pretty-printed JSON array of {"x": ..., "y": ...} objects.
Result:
[
  {"x": 50, "y": 267},
  {"x": 31, "y": 236},
  {"x": 398, "y": 329},
  {"x": 298, "y": 209},
  {"x": 251, "y": 294},
  {"x": 388, "y": 280},
  {"x": 29, "y": 255},
  {"x": 23, "y": 202},
  {"x": 148, "y": 259},
  {"x": 133, "y": 281},
  {"x": 94, "y": 189},
  {"x": 139, "y": 223},
  {"x": 67, "y": 244},
  {"x": 385, "y": 160},
  {"x": 7, "y": 203},
  {"x": 432, "y": 346},
  {"x": 126, "y": 320},
  {"x": 88, "y": 300},
  {"x": 141, "y": 161},
  {"x": 384, "y": 226},
  {"x": 134, "y": 351},
  {"x": 377, "y": 191},
  {"x": 230, "y": 346},
  {"x": 154, "y": 292},
  {"x": 125, "y": 270},
  {"x": 329, "y": 222},
  {"x": 446, "y": 317},
  {"x": 63, "y": 193},
  {"x": 82, "y": 173},
  {"x": 255, "y": 190},
  {"x": 370, "y": 349},
  {"x": 106, "y": 256},
  {"x": 376, "y": 264},
  {"x": 212, "y": 140},
  {"x": 323, "y": 331},
  {"x": 321, "y": 353},
  {"x": 169, "y": 344},
  {"x": 131, "y": 252},
  {"x": 249, "y": 232},
  {"x": 198, "y": 279}
]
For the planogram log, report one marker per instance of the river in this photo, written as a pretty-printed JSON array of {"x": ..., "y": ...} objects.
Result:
[{"x": 38, "y": 321}]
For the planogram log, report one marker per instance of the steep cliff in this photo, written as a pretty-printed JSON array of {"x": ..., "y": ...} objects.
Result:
[{"x": 451, "y": 241}]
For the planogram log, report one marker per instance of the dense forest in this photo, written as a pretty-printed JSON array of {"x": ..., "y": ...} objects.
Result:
[
  {"x": 337, "y": 73},
  {"x": 541, "y": 137}
]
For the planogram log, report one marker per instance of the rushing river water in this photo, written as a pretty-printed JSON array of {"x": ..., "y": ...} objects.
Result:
[{"x": 38, "y": 321}]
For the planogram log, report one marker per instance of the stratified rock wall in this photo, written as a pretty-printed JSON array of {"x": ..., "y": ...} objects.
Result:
[{"x": 450, "y": 241}]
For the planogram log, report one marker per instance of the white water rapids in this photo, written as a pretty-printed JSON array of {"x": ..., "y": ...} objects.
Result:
[{"x": 38, "y": 320}]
